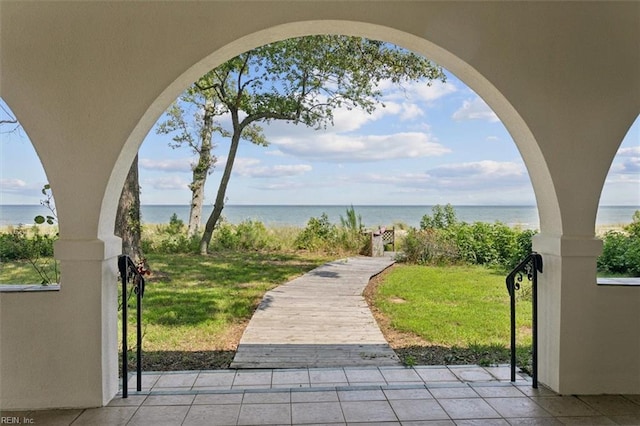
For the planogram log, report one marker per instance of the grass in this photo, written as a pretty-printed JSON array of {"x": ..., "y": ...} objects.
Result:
[
  {"x": 22, "y": 272},
  {"x": 461, "y": 310}
]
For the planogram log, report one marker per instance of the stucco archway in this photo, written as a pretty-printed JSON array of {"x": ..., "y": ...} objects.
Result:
[{"x": 89, "y": 79}]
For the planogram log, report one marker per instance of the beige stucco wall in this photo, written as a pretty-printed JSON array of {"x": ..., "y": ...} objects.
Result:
[{"x": 87, "y": 80}]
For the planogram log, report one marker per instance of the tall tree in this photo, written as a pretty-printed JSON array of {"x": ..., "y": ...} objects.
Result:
[
  {"x": 194, "y": 129},
  {"x": 303, "y": 80},
  {"x": 128, "y": 224}
]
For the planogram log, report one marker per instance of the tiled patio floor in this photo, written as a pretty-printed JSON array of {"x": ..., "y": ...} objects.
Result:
[{"x": 433, "y": 395}]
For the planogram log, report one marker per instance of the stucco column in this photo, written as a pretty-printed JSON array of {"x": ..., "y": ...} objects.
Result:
[
  {"x": 60, "y": 348},
  {"x": 588, "y": 334}
]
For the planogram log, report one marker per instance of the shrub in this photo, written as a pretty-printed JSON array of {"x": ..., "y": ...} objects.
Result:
[
  {"x": 318, "y": 234},
  {"x": 443, "y": 239},
  {"x": 249, "y": 235},
  {"x": 621, "y": 250},
  {"x": 22, "y": 244},
  {"x": 429, "y": 247},
  {"x": 170, "y": 238}
]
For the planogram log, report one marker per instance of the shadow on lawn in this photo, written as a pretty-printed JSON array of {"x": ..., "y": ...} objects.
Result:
[
  {"x": 182, "y": 360},
  {"x": 484, "y": 355}
]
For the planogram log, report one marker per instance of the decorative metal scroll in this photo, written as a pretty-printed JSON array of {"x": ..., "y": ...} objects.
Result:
[
  {"x": 528, "y": 269},
  {"x": 131, "y": 273}
]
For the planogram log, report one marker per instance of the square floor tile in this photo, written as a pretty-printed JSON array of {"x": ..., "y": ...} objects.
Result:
[
  {"x": 290, "y": 377},
  {"x": 361, "y": 395},
  {"x": 404, "y": 375},
  {"x": 418, "y": 410},
  {"x": 262, "y": 378},
  {"x": 327, "y": 376},
  {"x": 429, "y": 423},
  {"x": 367, "y": 375},
  {"x": 316, "y": 412},
  {"x": 314, "y": 396},
  {"x": 272, "y": 397},
  {"x": 565, "y": 406},
  {"x": 539, "y": 391},
  {"x": 148, "y": 381},
  {"x": 626, "y": 420},
  {"x": 218, "y": 398},
  {"x": 159, "y": 416},
  {"x": 417, "y": 393},
  {"x": 468, "y": 408},
  {"x": 157, "y": 400},
  {"x": 51, "y": 417},
  {"x": 502, "y": 372},
  {"x": 130, "y": 401},
  {"x": 482, "y": 422},
  {"x": 614, "y": 405},
  {"x": 498, "y": 391},
  {"x": 471, "y": 374},
  {"x": 368, "y": 411},
  {"x": 453, "y": 392},
  {"x": 178, "y": 380},
  {"x": 517, "y": 407},
  {"x": 438, "y": 374},
  {"x": 260, "y": 414},
  {"x": 106, "y": 416},
  {"x": 584, "y": 421},
  {"x": 215, "y": 379},
  {"x": 212, "y": 415}
]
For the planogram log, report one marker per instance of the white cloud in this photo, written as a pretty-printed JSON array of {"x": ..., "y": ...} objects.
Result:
[
  {"x": 12, "y": 184},
  {"x": 478, "y": 176},
  {"x": 418, "y": 91},
  {"x": 168, "y": 183},
  {"x": 251, "y": 168},
  {"x": 410, "y": 111},
  {"x": 475, "y": 109},
  {"x": 479, "y": 169},
  {"x": 631, "y": 166},
  {"x": 359, "y": 148},
  {"x": 167, "y": 165},
  {"x": 633, "y": 151},
  {"x": 282, "y": 186}
]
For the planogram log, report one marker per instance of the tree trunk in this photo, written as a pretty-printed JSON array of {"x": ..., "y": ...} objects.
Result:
[
  {"x": 128, "y": 226},
  {"x": 201, "y": 170},
  {"x": 222, "y": 190}
]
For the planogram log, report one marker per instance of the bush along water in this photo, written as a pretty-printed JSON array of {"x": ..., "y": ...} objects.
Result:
[
  {"x": 443, "y": 239},
  {"x": 621, "y": 250}
]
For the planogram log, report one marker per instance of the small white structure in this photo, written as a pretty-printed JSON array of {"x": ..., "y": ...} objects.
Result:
[{"x": 87, "y": 80}]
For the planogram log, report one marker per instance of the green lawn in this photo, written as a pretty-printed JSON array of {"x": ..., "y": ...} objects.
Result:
[
  {"x": 452, "y": 306},
  {"x": 22, "y": 272}
]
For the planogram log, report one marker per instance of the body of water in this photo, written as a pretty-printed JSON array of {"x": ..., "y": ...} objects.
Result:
[{"x": 372, "y": 216}]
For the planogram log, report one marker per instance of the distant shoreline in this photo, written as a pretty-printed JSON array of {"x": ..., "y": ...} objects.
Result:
[{"x": 524, "y": 216}]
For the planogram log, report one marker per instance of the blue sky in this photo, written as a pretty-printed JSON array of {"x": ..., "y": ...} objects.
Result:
[{"x": 429, "y": 145}]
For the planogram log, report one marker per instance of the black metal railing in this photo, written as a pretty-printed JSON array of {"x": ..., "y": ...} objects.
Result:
[
  {"x": 134, "y": 274},
  {"x": 528, "y": 268}
]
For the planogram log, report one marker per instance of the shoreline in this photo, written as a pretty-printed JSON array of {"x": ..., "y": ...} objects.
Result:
[{"x": 46, "y": 229}]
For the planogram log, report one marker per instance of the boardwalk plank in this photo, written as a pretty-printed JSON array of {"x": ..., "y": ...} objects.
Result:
[{"x": 318, "y": 320}]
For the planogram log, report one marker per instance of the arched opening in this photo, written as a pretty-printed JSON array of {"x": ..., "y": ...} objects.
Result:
[
  {"x": 101, "y": 74},
  {"x": 28, "y": 220},
  {"x": 505, "y": 168},
  {"x": 619, "y": 202}
]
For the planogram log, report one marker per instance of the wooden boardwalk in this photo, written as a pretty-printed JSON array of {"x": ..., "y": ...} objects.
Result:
[{"x": 318, "y": 320}]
